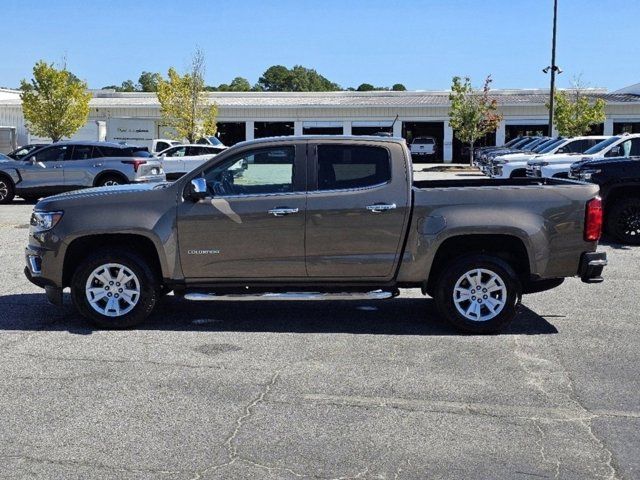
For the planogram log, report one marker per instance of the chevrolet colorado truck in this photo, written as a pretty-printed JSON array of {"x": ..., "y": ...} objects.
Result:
[{"x": 315, "y": 218}]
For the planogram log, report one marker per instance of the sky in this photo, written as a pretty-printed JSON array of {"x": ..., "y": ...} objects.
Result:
[{"x": 419, "y": 43}]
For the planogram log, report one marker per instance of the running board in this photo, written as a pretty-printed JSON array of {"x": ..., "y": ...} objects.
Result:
[{"x": 291, "y": 296}]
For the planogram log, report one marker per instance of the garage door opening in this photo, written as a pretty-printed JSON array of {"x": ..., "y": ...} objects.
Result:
[
  {"x": 626, "y": 127},
  {"x": 371, "y": 128},
  {"x": 512, "y": 131},
  {"x": 411, "y": 130},
  {"x": 322, "y": 128},
  {"x": 272, "y": 129},
  {"x": 231, "y": 133}
]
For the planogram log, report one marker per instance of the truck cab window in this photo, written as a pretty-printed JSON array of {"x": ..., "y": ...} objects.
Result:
[
  {"x": 345, "y": 166},
  {"x": 257, "y": 172}
]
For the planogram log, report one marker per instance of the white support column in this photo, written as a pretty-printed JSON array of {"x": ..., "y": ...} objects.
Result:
[
  {"x": 608, "y": 126},
  {"x": 447, "y": 151},
  {"x": 248, "y": 130},
  {"x": 500, "y": 134},
  {"x": 346, "y": 127},
  {"x": 297, "y": 128}
]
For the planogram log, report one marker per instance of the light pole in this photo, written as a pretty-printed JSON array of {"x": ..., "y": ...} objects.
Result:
[{"x": 553, "y": 67}]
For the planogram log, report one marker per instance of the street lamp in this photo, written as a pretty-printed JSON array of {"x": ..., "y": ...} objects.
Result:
[{"x": 553, "y": 67}]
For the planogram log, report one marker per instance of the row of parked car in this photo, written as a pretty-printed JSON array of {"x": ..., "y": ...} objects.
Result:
[
  {"x": 612, "y": 162},
  {"x": 38, "y": 170}
]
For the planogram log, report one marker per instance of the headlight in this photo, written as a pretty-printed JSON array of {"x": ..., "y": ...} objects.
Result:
[
  {"x": 44, "y": 221},
  {"x": 587, "y": 174}
]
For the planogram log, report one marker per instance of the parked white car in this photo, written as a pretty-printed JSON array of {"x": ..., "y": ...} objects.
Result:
[
  {"x": 160, "y": 144},
  {"x": 515, "y": 164},
  {"x": 180, "y": 159},
  {"x": 558, "y": 166},
  {"x": 423, "y": 146}
]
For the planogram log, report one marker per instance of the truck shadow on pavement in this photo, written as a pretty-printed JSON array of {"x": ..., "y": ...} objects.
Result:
[{"x": 400, "y": 316}]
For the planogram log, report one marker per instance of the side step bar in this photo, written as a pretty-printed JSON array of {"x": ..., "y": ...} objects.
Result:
[{"x": 291, "y": 296}]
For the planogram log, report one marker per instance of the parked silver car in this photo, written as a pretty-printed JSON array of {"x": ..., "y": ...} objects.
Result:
[{"x": 65, "y": 166}]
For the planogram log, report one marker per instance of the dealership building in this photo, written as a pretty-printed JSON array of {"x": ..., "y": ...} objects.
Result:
[{"x": 135, "y": 117}]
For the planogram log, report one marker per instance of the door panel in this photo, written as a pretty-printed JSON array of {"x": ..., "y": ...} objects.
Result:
[
  {"x": 43, "y": 170},
  {"x": 356, "y": 230},
  {"x": 252, "y": 226},
  {"x": 81, "y": 167}
]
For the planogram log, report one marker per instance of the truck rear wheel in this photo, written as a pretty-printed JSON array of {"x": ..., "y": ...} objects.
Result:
[
  {"x": 114, "y": 289},
  {"x": 478, "y": 293},
  {"x": 623, "y": 221}
]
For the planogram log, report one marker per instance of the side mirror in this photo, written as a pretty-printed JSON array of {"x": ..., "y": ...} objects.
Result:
[{"x": 198, "y": 189}]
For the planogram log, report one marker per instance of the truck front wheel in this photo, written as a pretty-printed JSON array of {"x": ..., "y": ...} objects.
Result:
[
  {"x": 478, "y": 293},
  {"x": 114, "y": 289}
]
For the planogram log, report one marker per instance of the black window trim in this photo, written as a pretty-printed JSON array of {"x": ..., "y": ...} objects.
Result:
[{"x": 312, "y": 168}]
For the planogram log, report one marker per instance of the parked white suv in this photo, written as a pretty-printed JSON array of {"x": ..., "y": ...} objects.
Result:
[
  {"x": 558, "y": 166},
  {"x": 180, "y": 159},
  {"x": 515, "y": 164}
]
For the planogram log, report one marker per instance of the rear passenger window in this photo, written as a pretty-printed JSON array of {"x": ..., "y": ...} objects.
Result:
[
  {"x": 82, "y": 152},
  {"x": 343, "y": 167}
]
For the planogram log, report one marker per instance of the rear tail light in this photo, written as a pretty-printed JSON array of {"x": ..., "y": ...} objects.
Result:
[
  {"x": 136, "y": 163},
  {"x": 593, "y": 220}
]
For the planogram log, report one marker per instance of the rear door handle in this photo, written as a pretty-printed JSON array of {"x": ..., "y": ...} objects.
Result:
[
  {"x": 381, "y": 207},
  {"x": 57, "y": 166},
  {"x": 282, "y": 211}
]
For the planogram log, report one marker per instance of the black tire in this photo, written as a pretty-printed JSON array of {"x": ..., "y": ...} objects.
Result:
[
  {"x": 7, "y": 190},
  {"x": 111, "y": 180},
  {"x": 623, "y": 221},
  {"x": 147, "y": 283},
  {"x": 507, "y": 278}
]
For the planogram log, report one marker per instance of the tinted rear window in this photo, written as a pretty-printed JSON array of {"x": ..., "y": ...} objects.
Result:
[
  {"x": 106, "y": 151},
  {"x": 424, "y": 141},
  {"x": 343, "y": 167}
]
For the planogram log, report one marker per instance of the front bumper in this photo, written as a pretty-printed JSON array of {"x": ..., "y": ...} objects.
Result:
[
  {"x": 36, "y": 272},
  {"x": 591, "y": 266}
]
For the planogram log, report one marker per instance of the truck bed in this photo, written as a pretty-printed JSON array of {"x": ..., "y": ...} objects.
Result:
[{"x": 492, "y": 182}]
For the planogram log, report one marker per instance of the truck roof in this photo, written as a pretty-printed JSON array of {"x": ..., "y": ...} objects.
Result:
[{"x": 337, "y": 138}]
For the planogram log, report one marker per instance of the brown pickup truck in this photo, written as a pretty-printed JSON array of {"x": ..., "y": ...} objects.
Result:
[{"x": 315, "y": 218}]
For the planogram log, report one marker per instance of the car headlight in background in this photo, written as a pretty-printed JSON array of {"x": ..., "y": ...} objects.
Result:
[
  {"x": 43, "y": 221},
  {"x": 588, "y": 174}
]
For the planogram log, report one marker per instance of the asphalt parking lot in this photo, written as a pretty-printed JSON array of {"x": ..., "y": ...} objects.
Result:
[{"x": 320, "y": 390}]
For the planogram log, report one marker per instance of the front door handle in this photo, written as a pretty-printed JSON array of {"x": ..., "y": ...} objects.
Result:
[
  {"x": 57, "y": 166},
  {"x": 96, "y": 165},
  {"x": 381, "y": 207},
  {"x": 282, "y": 211}
]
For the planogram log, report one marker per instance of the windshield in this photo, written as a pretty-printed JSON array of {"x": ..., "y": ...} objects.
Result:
[
  {"x": 512, "y": 142},
  {"x": 214, "y": 141},
  {"x": 549, "y": 147},
  {"x": 521, "y": 142},
  {"x": 545, "y": 144},
  {"x": 533, "y": 143},
  {"x": 598, "y": 147}
]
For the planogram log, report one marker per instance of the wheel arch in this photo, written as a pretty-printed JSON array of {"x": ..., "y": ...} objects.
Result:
[
  {"x": 508, "y": 248},
  {"x": 80, "y": 247},
  {"x": 109, "y": 173}
]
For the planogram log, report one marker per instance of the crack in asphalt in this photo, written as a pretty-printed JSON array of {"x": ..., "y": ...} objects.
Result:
[{"x": 539, "y": 378}]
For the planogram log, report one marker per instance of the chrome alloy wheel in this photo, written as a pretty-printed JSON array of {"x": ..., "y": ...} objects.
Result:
[
  {"x": 112, "y": 290},
  {"x": 479, "y": 295},
  {"x": 4, "y": 190}
]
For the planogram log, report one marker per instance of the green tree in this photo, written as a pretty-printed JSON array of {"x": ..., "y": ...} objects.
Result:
[
  {"x": 398, "y": 87},
  {"x": 127, "y": 86},
  {"x": 239, "y": 84},
  {"x": 473, "y": 113},
  {"x": 298, "y": 79},
  {"x": 574, "y": 113},
  {"x": 148, "y": 81},
  {"x": 55, "y": 103},
  {"x": 365, "y": 87},
  {"x": 184, "y": 104}
]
